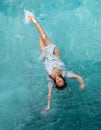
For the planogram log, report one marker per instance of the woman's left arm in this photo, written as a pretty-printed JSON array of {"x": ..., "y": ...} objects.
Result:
[{"x": 79, "y": 79}]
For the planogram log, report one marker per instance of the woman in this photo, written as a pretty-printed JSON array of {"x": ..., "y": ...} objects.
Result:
[{"x": 55, "y": 68}]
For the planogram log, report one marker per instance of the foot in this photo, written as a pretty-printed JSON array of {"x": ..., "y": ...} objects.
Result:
[{"x": 32, "y": 18}]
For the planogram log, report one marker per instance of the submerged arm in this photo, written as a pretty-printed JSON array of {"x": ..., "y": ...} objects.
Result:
[
  {"x": 49, "y": 98},
  {"x": 49, "y": 102}
]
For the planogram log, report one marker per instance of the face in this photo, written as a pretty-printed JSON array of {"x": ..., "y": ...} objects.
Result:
[{"x": 59, "y": 81}]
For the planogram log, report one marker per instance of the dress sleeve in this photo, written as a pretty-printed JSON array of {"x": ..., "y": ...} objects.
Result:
[
  {"x": 68, "y": 74},
  {"x": 51, "y": 83}
]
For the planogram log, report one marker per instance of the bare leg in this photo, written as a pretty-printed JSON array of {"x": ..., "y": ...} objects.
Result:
[
  {"x": 44, "y": 40},
  {"x": 56, "y": 52},
  {"x": 44, "y": 37},
  {"x": 41, "y": 44},
  {"x": 38, "y": 27}
]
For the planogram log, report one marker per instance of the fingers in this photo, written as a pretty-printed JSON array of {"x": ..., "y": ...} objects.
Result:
[
  {"x": 82, "y": 87},
  {"x": 43, "y": 111}
]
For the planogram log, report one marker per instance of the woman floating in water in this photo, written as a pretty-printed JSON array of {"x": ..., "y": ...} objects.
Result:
[{"x": 55, "y": 68}]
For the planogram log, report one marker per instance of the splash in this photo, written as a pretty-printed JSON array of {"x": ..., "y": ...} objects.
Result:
[{"x": 27, "y": 13}]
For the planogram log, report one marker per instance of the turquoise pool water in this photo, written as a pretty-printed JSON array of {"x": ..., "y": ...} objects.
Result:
[{"x": 75, "y": 27}]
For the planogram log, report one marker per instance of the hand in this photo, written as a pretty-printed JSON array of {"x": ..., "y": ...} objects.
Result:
[
  {"x": 45, "y": 110},
  {"x": 82, "y": 87}
]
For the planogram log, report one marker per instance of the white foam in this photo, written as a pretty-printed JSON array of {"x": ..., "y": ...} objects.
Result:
[{"x": 27, "y": 13}]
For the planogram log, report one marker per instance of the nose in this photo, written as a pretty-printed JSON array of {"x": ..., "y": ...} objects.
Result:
[{"x": 57, "y": 78}]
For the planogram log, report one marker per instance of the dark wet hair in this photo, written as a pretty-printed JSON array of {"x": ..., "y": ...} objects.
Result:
[{"x": 63, "y": 86}]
